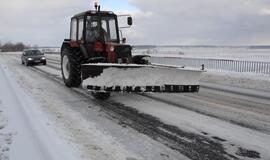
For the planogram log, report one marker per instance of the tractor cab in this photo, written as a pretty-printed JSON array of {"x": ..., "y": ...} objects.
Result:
[
  {"x": 96, "y": 33},
  {"x": 93, "y": 26}
]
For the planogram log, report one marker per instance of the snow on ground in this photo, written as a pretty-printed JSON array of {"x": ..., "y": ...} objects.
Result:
[
  {"x": 79, "y": 122},
  {"x": 187, "y": 120},
  {"x": 24, "y": 133},
  {"x": 235, "y": 135},
  {"x": 54, "y": 56},
  {"x": 245, "y": 80},
  {"x": 77, "y": 126}
]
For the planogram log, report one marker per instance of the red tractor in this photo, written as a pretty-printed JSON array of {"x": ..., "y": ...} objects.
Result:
[{"x": 97, "y": 55}]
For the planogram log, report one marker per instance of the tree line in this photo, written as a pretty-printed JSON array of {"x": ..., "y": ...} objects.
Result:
[{"x": 12, "y": 47}]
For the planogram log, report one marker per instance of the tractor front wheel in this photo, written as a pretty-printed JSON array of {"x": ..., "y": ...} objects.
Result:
[{"x": 71, "y": 67}]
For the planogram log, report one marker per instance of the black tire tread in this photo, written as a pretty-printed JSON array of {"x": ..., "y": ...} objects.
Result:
[{"x": 75, "y": 60}]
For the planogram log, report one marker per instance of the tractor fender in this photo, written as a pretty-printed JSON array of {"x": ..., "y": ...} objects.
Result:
[
  {"x": 66, "y": 44},
  {"x": 73, "y": 44}
]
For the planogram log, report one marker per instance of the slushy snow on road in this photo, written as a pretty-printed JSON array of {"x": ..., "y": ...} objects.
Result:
[{"x": 23, "y": 131}]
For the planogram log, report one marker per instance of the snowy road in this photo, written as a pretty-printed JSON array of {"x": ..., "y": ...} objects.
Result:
[{"x": 220, "y": 122}]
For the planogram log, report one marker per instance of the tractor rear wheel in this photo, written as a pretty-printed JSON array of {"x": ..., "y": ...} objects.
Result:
[{"x": 71, "y": 67}]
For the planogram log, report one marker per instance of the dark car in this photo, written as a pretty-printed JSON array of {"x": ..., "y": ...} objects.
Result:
[{"x": 33, "y": 56}]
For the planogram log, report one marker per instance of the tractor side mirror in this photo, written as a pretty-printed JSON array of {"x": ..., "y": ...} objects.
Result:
[{"x": 129, "y": 21}]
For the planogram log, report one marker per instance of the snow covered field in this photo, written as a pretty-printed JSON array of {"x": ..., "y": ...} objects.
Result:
[
  {"x": 228, "y": 119},
  {"x": 231, "y": 53}
]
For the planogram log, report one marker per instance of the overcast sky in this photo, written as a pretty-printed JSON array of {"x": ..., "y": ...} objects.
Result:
[{"x": 159, "y": 22}]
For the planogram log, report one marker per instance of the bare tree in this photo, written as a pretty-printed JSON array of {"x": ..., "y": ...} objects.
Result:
[{"x": 10, "y": 47}]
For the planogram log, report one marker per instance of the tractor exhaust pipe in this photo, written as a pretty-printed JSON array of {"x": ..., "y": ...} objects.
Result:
[{"x": 97, "y": 7}]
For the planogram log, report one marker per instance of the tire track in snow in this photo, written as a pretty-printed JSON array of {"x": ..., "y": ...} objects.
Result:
[
  {"x": 6, "y": 137},
  {"x": 207, "y": 113}
]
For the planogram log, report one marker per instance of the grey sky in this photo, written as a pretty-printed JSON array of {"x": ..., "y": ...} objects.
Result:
[{"x": 182, "y": 22}]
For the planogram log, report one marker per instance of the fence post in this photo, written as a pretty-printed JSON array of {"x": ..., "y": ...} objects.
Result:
[
  {"x": 257, "y": 67},
  {"x": 268, "y": 69},
  {"x": 245, "y": 66},
  {"x": 238, "y": 67},
  {"x": 261, "y": 67},
  {"x": 264, "y": 68},
  {"x": 233, "y": 65}
]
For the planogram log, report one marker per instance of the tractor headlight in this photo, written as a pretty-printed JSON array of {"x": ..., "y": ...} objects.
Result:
[
  {"x": 29, "y": 59},
  {"x": 43, "y": 58},
  {"x": 111, "y": 48}
]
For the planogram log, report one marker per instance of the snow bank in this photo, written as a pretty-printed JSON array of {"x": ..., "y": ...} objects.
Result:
[
  {"x": 245, "y": 80},
  {"x": 144, "y": 76}
]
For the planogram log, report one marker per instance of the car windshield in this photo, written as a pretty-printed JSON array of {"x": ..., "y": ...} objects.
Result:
[
  {"x": 105, "y": 29},
  {"x": 33, "y": 52}
]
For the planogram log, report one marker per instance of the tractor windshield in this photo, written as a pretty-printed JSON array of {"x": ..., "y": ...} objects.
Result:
[{"x": 101, "y": 28}]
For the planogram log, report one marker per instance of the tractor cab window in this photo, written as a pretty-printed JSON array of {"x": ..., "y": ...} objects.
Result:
[
  {"x": 112, "y": 27},
  {"x": 109, "y": 29},
  {"x": 80, "y": 29},
  {"x": 101, "y": 28},
  {"x": 73, "y": 31}
]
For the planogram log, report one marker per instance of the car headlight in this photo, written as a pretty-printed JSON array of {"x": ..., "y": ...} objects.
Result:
[
  {"x": 43, "y": 58},
  {"x": 29, "y": 59}
]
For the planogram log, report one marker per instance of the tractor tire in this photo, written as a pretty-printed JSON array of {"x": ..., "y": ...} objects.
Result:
[
  {"x": 44, "y": 63},
  {"x": 71, "y": 60}
]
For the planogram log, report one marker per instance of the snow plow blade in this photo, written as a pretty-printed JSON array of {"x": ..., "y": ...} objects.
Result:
[{"x": 104, "y": 77}]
